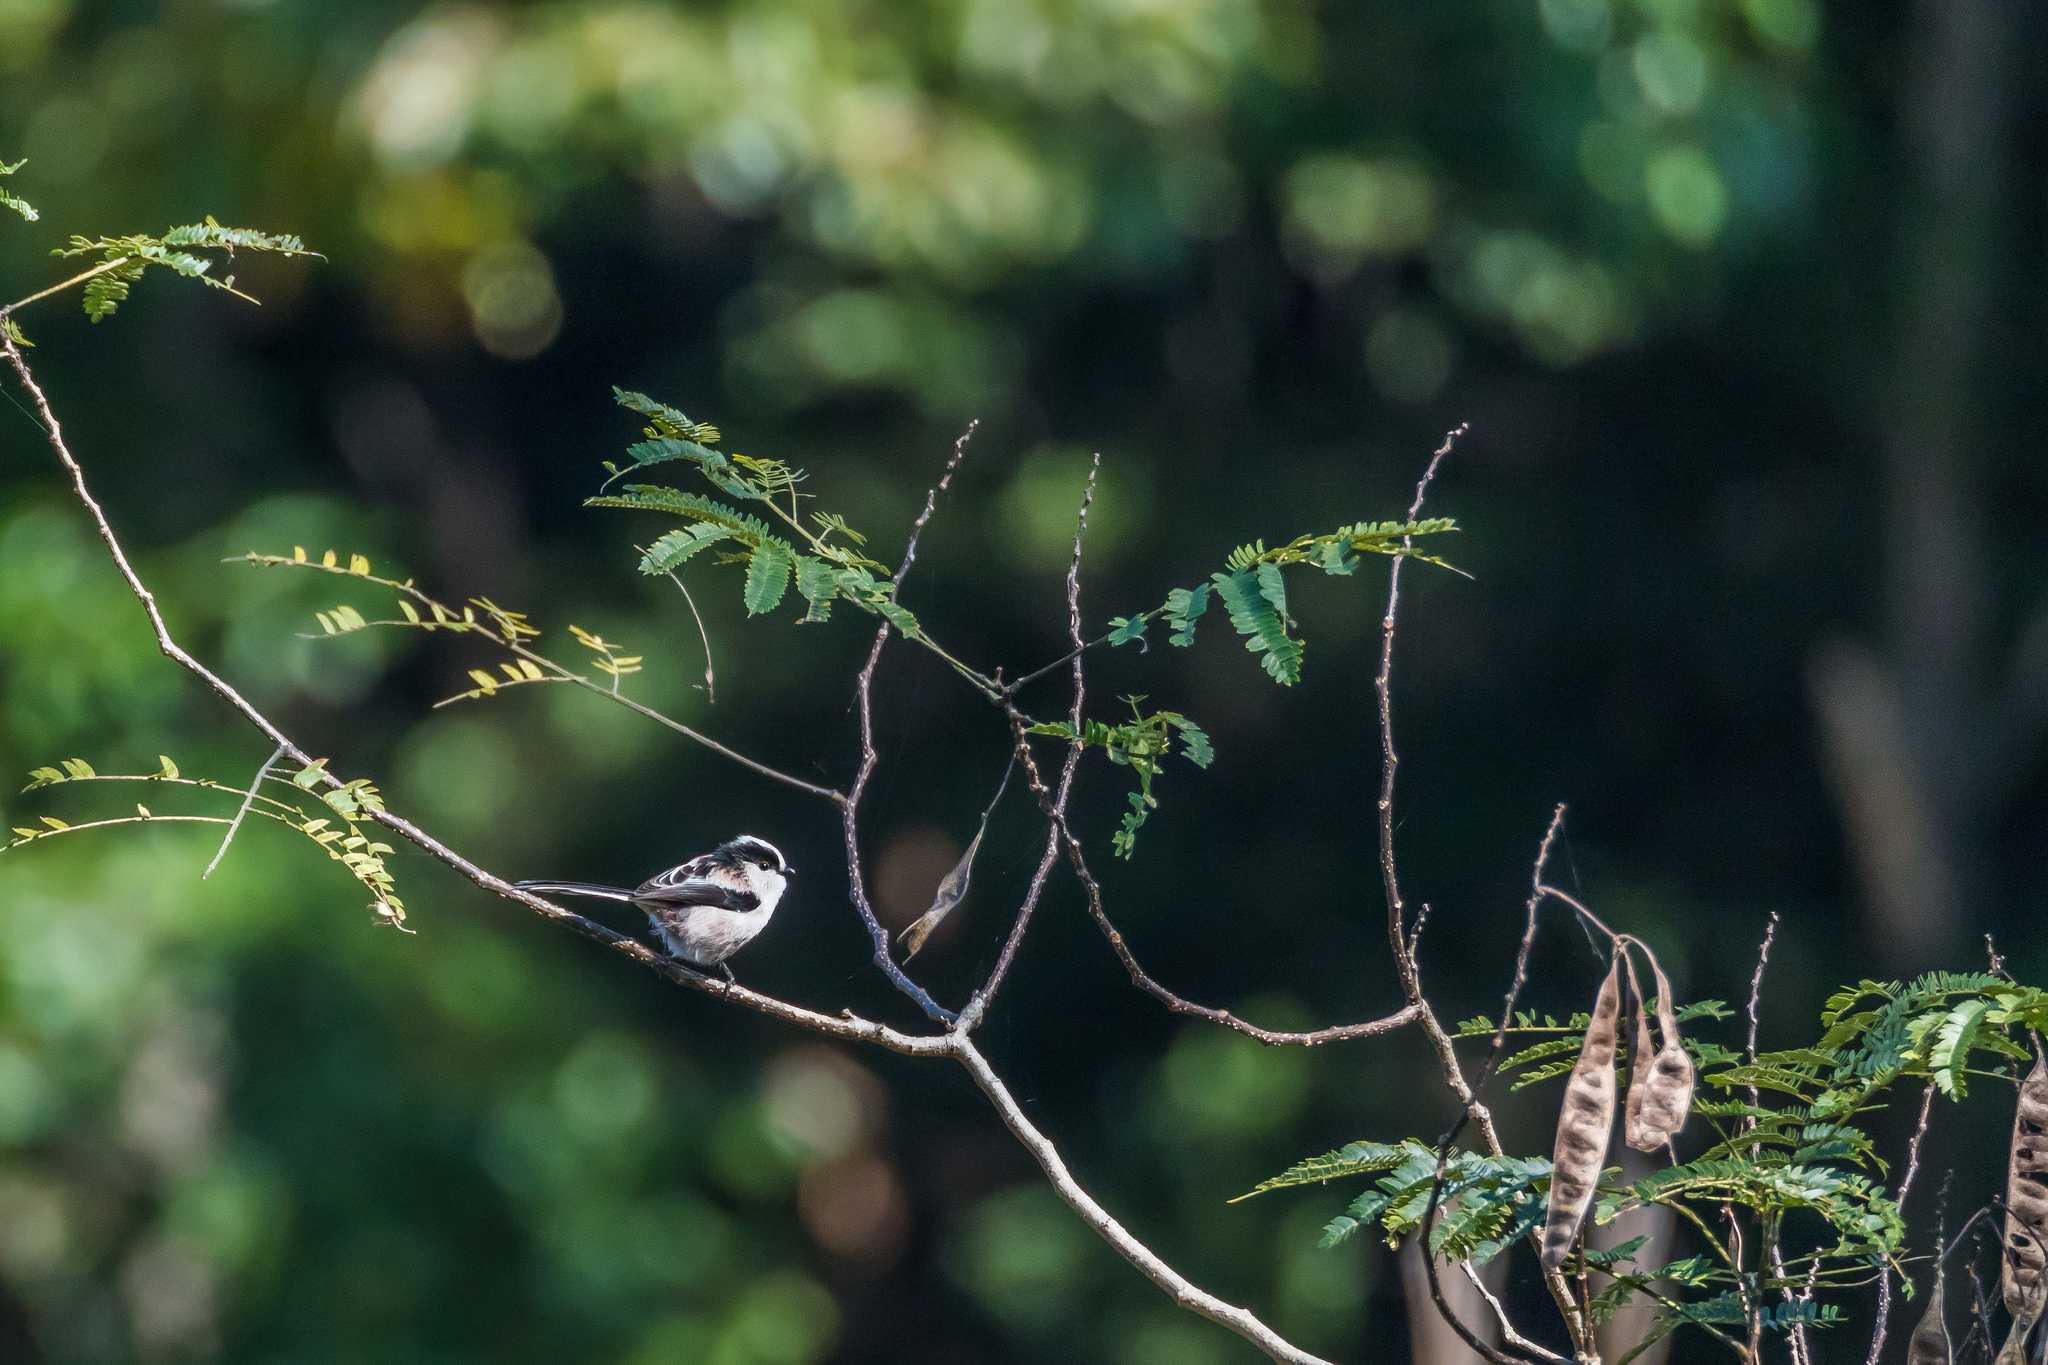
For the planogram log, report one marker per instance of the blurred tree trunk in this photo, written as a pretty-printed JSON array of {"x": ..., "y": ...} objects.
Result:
[
  {"x": 1919, "y": 749},
  {"x": 1430, "y": 1337}
]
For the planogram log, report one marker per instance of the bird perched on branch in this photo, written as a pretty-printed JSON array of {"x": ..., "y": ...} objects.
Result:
[{"x": 706, "y": 909}]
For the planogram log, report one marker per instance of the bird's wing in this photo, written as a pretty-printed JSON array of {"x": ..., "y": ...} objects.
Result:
[
  {"x": 700, "y": 866},
  {"x": 665, "y": 893}
]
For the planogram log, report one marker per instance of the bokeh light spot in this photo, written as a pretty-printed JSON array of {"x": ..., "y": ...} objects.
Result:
[{"x": 1687, "y": 195}]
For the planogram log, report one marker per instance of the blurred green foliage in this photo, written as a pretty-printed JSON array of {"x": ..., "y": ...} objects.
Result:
[{"x": 1258, "y": 252}]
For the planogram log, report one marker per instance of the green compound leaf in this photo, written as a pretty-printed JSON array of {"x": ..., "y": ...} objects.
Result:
[{"x": 768, "y": 577}]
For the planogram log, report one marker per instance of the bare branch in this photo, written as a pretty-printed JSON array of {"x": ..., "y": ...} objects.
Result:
[
  {"x": 1187, "y": 1295},
  {"x": 1397, "y": 929},
  {"x": 1756, "y": 991},
  {"x": 849, "y": 810},
  {"x": 1077, "y": 860},
  {"x": 1406, "y": 967},
  {"x": 849, "y": 813},
  {"x": 1521, "y": 975},
  {"x": 1500, "y": 1314},
  {"x": 931, "y": 499},
  {"x": 970, "y": 1016},
  {"x": 1884, "y": 1277},
  {"x": 1465, "y": 1114}
]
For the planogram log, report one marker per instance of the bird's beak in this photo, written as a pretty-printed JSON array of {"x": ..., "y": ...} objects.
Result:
[{"x": 788, "y": 871}]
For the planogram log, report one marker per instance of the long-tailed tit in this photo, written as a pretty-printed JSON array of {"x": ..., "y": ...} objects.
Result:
[{"x": 706, "y": 909}]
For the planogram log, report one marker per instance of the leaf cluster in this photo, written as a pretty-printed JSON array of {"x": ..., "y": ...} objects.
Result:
[
  {"x": 820, "y": 554},
  {"x": 1139, "y": 744},
  {"x": 14, "y": 203},
  {"x": 1253, "y": 590},
  {"x": 335, "y": 823},
  {"x": 1791, "y": 1140},
  {"x": 125, "y": 260}
]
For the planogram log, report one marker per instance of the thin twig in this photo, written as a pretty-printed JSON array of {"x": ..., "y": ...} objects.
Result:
[
  {"x": 1884, "y": 1282},
  {"x": 870, "y": 758},
  {"x": 1756, "y": 991},
  {"x": 1035, "y": 890},
  {"x": 1521, "y": 974},
  {"x": 1407, "y": 969},
  {"x": 703, "y": 636},
  {"x": 236, "y": 823},
  {"x": 1077, "y": 860},
  {"x": 1586, "y": 916},
  {"x": 1769, "y": 1253},
  {"x": 1486, "y": 1073},
  {"x": 1507, "y": 1329},
  {"x": 102, "y": 268},
  {"x": 931, "y": 499},
  {"x": 1397, "y": 928}
]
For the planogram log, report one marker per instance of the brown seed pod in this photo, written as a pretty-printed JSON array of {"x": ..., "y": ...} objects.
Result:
[
  {"x": 1584, "y": 1124},
  {"x": 1930, "y": 1344},
  {"x": 1641, "y": 1135},
  {"x": 1667, "y": 1079},
  {"x": 2026, "y": 1192},
  {"x": 2032, "y": 1300}
]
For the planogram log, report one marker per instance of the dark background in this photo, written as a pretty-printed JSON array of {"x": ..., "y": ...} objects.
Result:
[{"x": 1740, "y": 299}]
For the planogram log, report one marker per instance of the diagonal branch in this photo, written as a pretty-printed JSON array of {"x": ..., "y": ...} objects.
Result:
[
  {"x": 1188, "y": 1296},
  {"x": 845, "y": 1026}
]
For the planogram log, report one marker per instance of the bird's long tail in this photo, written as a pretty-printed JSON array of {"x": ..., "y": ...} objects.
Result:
[{"x": 609, "y": 893}]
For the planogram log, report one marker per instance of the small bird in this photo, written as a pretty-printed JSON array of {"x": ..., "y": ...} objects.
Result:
[{"x": 706, "y": 909}]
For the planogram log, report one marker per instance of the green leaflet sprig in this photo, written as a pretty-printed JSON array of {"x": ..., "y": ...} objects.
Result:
[
  {"x": 349, "y": 843},
  {"x": 123, "y": 261},
  {"x": 1139, "y": 744},
  {"x": 479, "y": 616},
  {"x": 1254, "y": 591},
  {"x": 14, "y": 203}
]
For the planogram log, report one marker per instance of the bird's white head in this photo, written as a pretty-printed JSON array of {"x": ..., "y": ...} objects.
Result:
[{"x": 761, "y": 863}]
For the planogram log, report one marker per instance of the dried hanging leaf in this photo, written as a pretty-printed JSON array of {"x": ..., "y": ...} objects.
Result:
[
  {"x": 1930, "y": 1344},
  {"x": 1584, "y": 1124},
  {"x": 953, "y": 886},
  {"x": 1667, "y": 1079},
  {"x": 952, "y": 890},
  {"x": 2026, "y": 1192}
]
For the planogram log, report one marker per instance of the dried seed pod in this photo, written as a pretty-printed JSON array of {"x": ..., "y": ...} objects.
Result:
[
  {"x": 1667, "y": 1079},
  {"x": 1584, "y": 1124},
  {"x": 2032, "y": 1299},
  {"x": 1641, "y": 1135},
  {"x": 2026, "y": 1192},
  {"x": 1930, "y": 1344}
]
